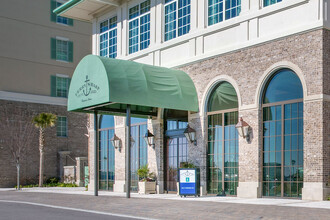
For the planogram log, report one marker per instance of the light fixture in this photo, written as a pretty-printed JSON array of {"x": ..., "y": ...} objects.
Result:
[
  {"x": 132, "y": 140},
  {"x": 243, "y": 129},
  {"x": 116, "y": 142},
  {"x": 149, "y": 138},
  {"x": 190, "y": 134}
]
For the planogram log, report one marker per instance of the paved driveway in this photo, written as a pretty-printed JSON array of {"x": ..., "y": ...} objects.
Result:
[{"x": 156, "y": 208}]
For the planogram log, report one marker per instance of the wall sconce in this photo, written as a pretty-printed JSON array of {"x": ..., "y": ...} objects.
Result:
[
  {"x": 190, "y": 134},
  {"x": 243, "y": 129},
  {"x": 116, "y": 142},
  {"x": 149, "y": 139},
  {"x": 132, "y": 141}
]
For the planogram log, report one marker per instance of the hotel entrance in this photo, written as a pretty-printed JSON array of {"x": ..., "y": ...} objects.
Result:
[{"x": 176, "y": 152}]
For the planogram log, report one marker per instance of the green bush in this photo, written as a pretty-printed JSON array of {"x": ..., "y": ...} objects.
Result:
[
  {"x": 187, "y": 165},
  {"x": 143, "y": 172},
  {"x": 52, "y": 180},
  {"x": 145, "y": 175},
  {"x": 51, "y": 185}
]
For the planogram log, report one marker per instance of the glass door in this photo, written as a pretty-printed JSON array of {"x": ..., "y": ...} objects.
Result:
[{"x": 177, "y": 153}]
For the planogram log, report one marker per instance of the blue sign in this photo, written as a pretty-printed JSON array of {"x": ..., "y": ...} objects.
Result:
[{"x": 187, "y": 182}]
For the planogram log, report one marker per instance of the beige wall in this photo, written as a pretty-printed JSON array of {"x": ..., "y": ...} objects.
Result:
[{"x": 25, "y": 56}]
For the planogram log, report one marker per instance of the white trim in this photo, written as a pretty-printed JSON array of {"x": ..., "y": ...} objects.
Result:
[
  {"x": 30, "y": 98},
  {"x": 319, "y": 97},
  {"x": 62, "y": 38},
  {"x": 270, "y": 71},
  {"x": 62, "y": 75},
  {"x": 210, "y": 86}
]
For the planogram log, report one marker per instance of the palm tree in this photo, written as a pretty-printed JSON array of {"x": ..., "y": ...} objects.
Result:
[{"x": 42, "y": 121}]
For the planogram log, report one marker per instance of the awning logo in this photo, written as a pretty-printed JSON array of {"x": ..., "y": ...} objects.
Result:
[{"x": 87, "y": 89}]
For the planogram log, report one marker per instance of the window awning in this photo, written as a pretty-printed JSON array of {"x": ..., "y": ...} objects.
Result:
[
  {"x": 85, "y": 9},
  {"x": 108, "y": 85}
]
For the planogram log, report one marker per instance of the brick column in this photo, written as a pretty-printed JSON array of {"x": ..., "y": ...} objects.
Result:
[
  {"x": 316, "y": 149},
  {"x": 249, "y": 185}
]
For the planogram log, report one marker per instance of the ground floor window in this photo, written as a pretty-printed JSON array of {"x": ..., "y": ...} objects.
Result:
[
  {"x": 106, "y": 153},
  {"x": 283, "y": 150},
  {"x": 139, "y": 149},
  {"x": 222, "y": 153}
]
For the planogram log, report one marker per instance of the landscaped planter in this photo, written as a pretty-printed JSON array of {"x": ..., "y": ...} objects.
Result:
[{"x": 147, "y": 187}]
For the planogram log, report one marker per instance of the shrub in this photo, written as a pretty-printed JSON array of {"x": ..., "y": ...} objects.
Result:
[
  {"x": 52, "y": 180},
  {"x": 187, "y": 165},
  {"x": 145, "y": 175}
]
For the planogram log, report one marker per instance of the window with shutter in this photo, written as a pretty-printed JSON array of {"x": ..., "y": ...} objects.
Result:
[{"x": 58, "y": 19}]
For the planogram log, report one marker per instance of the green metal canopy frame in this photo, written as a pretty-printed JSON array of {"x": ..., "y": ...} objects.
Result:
[{"x": 109, "y": 85}]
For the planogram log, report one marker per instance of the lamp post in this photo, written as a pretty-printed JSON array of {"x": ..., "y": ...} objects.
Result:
[
  {"x": 243, "y": 129},
  {"x": 190, "y": 134},
  {"x": 149, "y": 138}
]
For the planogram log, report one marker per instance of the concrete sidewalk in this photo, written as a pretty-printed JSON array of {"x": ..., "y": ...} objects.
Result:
[{"x": 259, "y": 201}]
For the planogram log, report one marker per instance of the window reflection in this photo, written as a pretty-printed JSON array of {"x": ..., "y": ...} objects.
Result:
[{"x": 283, "y": 87}]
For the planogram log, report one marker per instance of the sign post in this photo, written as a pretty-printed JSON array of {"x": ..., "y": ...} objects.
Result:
[{"x": 189, "y": 182}]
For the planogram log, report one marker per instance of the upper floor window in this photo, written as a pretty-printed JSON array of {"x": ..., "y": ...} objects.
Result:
[
  {"x": 270, "y": 2},
  {"x": 61, "y": 49},
  {"x": 177, "y": 18},
  {"x": 108, "y": 38},
  {"x": 59, "y": 86},
  {"x": 219, "y": 10},
  {"x": 139, "y": 27},
  {"x": 56, "y": 18},
  {"x": 61, "y": 126}
]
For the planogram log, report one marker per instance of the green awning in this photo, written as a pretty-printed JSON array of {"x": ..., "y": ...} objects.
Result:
[{"x": 108, "y": 85}]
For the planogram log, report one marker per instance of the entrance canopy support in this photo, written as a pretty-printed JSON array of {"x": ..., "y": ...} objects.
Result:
[
  {"x": 103, "y": 85},
  {"x": 128, "y": 151},
  {"x": 96, "y": 155}
]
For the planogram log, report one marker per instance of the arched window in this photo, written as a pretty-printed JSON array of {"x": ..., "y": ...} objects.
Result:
[
  {"x": 283, "y": 135},
  {"x": 222, "y": 153},
  {"x": 139, "y": 149},
  {"x": 106, "y": 153}
]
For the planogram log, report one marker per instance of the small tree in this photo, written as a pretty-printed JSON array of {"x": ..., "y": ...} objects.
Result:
[
  {"x": 43, "y": 121},
  {"x": 17, "y": 132}
]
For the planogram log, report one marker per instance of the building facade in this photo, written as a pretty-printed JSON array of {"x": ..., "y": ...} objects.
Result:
[
  {"x": 39, "y": 51},
  {"x": 264, "y": 61}
]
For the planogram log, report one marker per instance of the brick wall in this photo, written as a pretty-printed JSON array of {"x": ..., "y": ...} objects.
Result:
[{"x": 76, "y": 142}]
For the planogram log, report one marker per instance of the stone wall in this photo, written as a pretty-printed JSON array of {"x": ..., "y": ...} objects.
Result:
[{"x": 75, "y": 142}]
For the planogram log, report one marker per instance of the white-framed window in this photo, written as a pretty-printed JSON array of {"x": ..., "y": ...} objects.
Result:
[
  {"x": 139, "y": 27},
  {"x": 177, "y": 18},
  {"x": 62, "y": 126},
  {"x": 108, "y": 38},
  {"x": 270, "y": 2},
  {"x": 220, "y": 10},
  {"x": 61, "y": 49},
  {"x": 60, "y": 85}
]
